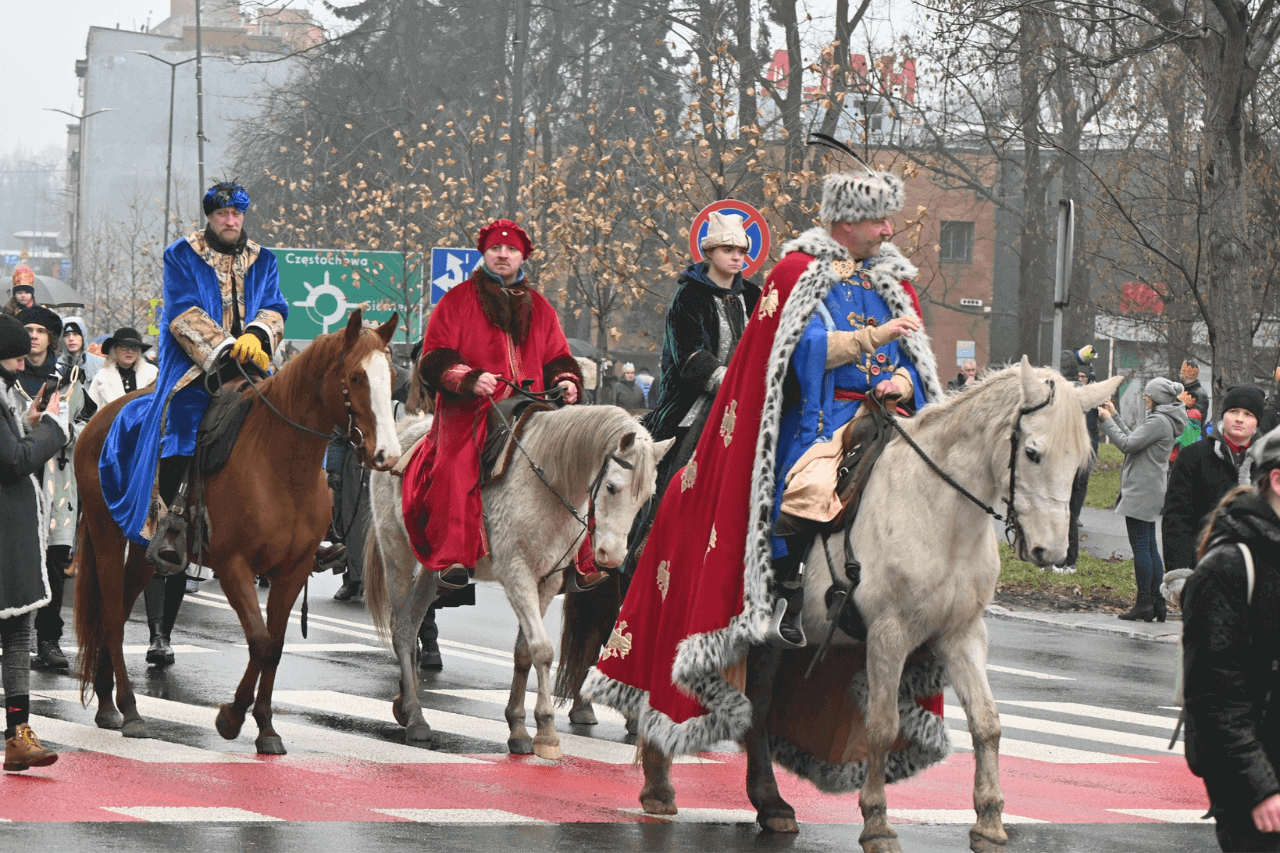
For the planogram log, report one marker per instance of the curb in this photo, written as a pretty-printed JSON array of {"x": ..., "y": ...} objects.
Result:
[{"x": 1167, "y": 632}]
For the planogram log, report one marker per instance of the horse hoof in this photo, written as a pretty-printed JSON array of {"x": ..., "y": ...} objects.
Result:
[
  {"x": 979, "y": 843},
  {"x": 658, "y": 807},
  {"x": 270, "y": 745},
  {"x": 134, "y": 728},
  {"x": 419, "y": 733},
  {"x": 547, "y": 751},
  {"x": 226, "y": 723},
  {"x": 109, "y": 719},
  {"x": 520, "y": 745},
  {"x": 584, "y": 716},
  {"x": 880, "y": 844},
  {"x": 778, "y": 824},
  {"x": 397, "y": 711}
]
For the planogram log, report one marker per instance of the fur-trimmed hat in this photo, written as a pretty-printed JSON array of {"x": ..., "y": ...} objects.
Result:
[
  {"x": 15, "y": 342},
  {"x": 41, "y": 316},
  {"x": 504, "y": 232},
  {"x": 852, "y": 197},
  {"x": 24, "y": 278},
  {"x": 724, "y": 229}
]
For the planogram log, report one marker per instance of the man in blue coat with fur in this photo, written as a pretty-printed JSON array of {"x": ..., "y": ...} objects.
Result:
[{"x": 222, "y": 305}]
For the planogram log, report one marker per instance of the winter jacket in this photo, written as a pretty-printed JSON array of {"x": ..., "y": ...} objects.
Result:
[
  {"x": 1203, "y": 472},
  {"x": 1144, "y": 474},
  {"x": 23, "y": 584},
  {"x": 628, "y": 395},
  {"x": 1196, "y": 390},
  {"x": 1231, "y": 659}
]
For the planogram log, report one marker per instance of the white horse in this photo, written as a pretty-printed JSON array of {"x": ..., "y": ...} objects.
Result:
[
  {"x": 929, "y": 568},
  {"x": 600, "y": 461}
]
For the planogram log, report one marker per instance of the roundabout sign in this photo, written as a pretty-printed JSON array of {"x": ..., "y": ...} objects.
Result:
[{"x": 752, "y": 221}]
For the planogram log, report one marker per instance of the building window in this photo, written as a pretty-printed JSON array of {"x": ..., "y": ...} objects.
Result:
[{"x": 955, "y": 242}]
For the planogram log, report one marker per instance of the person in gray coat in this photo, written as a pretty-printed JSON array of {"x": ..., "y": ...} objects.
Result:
[
  {"x": 1143, "y": 478},
  {"x": 29, "y": 437}
]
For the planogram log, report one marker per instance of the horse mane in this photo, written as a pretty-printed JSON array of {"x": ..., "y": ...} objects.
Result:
[
  {"x": 297, "y": 381},
  {"x": 985, "y": 407},
  {"x": 571, "y": 443}
]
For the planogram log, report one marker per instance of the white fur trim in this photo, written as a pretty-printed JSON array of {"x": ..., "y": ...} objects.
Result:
[{"x": 849, "y": 197}]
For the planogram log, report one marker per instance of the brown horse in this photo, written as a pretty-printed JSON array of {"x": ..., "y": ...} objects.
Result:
[{"x": 269, "y": 507}]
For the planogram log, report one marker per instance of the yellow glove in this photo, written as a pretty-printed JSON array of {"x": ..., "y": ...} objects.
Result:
[{"x": 248, "y": 348}]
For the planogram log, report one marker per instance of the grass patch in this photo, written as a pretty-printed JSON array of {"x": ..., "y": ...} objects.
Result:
[
  {"x": 1094, "y": 577},
  {"x": 1104, "y": 482}
]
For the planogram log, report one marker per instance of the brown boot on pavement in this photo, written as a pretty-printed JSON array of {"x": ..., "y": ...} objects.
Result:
[{"x": 24, "y": 751}]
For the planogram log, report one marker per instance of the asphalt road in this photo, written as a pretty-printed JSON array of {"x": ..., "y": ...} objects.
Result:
[{"x": 1086, "y": 716}]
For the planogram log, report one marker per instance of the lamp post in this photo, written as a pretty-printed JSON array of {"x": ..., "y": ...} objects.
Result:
[
  {"x": 168, "y": 163},
  {"x": 75, "y": 228}
]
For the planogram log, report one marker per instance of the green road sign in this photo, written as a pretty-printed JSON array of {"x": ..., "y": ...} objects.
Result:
[{"x": 323, "y": 287}]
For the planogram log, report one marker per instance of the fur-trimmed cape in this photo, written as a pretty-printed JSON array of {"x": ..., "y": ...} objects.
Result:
[{"x": 700, "y": 596}]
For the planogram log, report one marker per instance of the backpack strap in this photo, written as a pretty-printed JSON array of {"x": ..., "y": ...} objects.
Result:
[{"x": 1248, "y": 570}]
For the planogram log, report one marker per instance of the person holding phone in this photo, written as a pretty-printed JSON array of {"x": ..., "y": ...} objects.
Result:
[{"x": 30, "y": 435}]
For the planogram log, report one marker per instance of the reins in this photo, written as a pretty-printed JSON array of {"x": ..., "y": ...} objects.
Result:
[{"x": 588, "y": 523}]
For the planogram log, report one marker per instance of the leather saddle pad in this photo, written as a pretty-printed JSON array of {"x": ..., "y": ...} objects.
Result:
[{"x": 220, "y": 427}]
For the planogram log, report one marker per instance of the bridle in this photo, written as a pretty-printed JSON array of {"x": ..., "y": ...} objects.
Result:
[
  {"x": 352, "y": 436},
  {"x": 1013, "y": 532},
  {"x": 589, "y": 522}
]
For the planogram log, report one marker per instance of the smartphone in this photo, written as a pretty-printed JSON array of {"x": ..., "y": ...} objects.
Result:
[{"x": 47, "y": 391}]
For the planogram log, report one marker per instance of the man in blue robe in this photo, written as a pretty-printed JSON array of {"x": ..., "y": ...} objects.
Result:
[{"x": 222, "y": 305}]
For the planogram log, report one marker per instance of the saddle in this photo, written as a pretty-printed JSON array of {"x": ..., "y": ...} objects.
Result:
[
  {"x": 220, "y": 427},
  {"x": 495, "y": 456}
]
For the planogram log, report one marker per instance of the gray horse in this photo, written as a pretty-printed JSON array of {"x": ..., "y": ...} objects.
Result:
[{"x": 600, "y": 461}]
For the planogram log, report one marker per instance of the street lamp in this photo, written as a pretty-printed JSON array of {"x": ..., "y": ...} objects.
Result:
[
  {"x": 75, "y": 230},
  {"x": 168, "y": 167}
]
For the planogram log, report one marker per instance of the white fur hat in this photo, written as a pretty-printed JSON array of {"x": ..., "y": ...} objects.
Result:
[
  {"x": 850, "y": 197},
  {"x": 724, "y": 229}
]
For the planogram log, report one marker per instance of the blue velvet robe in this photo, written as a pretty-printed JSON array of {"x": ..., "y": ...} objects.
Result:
[
  {"x": 847, "y": 307},
  {"x": 164, "y": 423}
]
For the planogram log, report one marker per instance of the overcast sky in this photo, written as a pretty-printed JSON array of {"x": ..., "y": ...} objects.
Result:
[{"x": 46, "y": 38}]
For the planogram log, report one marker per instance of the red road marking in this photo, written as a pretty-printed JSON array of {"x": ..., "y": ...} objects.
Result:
[{"x": 82, "y": 784}]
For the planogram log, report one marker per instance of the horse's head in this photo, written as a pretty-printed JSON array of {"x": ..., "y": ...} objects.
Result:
[
  {"x": 366, "y": 383},
  {"x": 627, "y": 479},
  {"x": 1049, "y": 447}
]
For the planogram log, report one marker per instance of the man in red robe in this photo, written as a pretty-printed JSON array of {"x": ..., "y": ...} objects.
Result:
[{"x": 492, "y": 326}]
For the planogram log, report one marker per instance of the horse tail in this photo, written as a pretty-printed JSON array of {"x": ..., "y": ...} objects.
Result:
[
  {"x": 88, "y": 612},
  {"x": 375, "y": 587},
  {"x": 586, "y": 622}
]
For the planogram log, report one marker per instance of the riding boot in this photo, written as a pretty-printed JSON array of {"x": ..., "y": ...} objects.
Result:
[
  {"x": 785, "y": 629},
  {"x": 175, "y": 589},
  {"x": 167, "y": 550},
  {"x": 1144, "y": 609},
  {"x": 160, "y": 653}
]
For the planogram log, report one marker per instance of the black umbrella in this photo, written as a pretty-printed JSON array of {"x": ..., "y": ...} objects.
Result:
[
  {"x": 582, "y": 349},
  {"x": 52, "y": 291}
]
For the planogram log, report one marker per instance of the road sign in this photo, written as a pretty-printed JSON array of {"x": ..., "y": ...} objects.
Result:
[
  {"x": 11, "y": 259},
  {"x": 449, "y": 268},
  {"x": 753, "y": 222},
  {"x": 323, "y": 286}
]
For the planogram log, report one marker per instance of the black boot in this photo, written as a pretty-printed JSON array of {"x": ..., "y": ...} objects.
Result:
[
  {"x": 1144, "y": 609},
  {"x": 1161, "y": 606},
  {"x": 429, "y": 653},
  {"x": 160, "y": 653},
  {"x": 785, "y": 631}
]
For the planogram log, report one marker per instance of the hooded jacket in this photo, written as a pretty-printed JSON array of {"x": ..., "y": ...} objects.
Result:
[
  {"x": 1144, "y": 474},
  {"x": 1203, "y": 472},
  {"x": 1231, "y": 659}
]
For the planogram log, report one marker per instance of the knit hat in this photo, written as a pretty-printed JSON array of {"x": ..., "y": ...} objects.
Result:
[
  {"x": 851, "y": 197},
  {"x": 125, "y": 335},
  {"x": 1265, "y": 453},
  {"x": 40, "y": 316},
  {"x": 15, "y": 342},
  {"x": 226, "y": 194},
  {"x": 73, "y": 323},
  {"x": 24, "y": 278},
  {"x": 1248, "y": 397},
  {"x": 724, "y": 229},
  {"x": 1163, "y": 391},
  {"x": 504, "y": 232}
]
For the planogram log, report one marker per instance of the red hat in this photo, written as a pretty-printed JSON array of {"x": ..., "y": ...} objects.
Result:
[
  {"x": 504, "y": 232},
  {"x": 24, "y": 277}
]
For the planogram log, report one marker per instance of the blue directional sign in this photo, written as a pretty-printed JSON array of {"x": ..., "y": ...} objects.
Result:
[
  {"x": 11, "y": 259},
  {"x": 449, "y": 268}
]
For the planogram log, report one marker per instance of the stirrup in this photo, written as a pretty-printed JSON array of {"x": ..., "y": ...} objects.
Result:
[
  {"x": 167, "y": 548},
  {"x": 774, "y": 635},
  {"x": 444, "y": 584},
  {"x": 574, "y": 580},
  {"x": 331, "y": 558}
]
